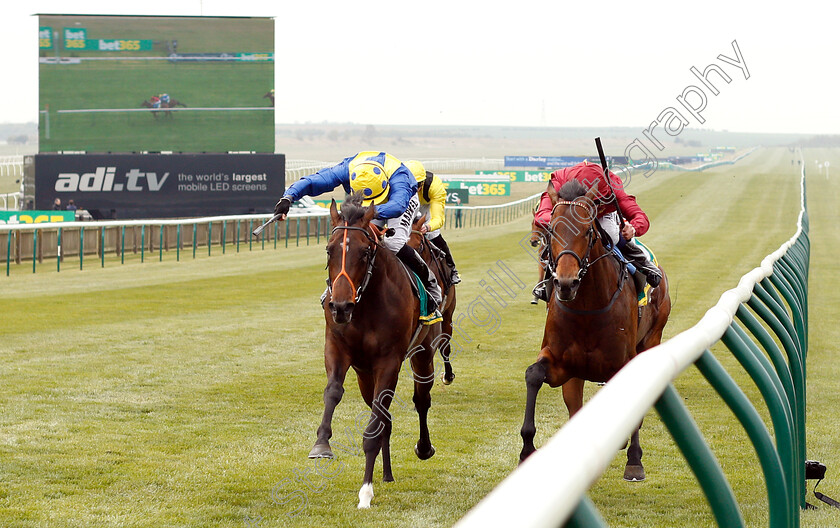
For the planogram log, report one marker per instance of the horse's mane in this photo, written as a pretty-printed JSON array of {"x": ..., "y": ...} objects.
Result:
[
  {"x": 352, "y": 209},
  {"x": 572, "y": 189}
]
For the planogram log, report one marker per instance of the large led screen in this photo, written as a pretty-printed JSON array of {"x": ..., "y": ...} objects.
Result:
[{"x": 156, "y": 84}]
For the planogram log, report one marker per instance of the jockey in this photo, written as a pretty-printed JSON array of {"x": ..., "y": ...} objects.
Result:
[
  {"x": 164, "y": 98},
  {"x": 384, "y": 183},
  {"x": 637, "y": 222},
  {"x": 432, "y": 195},
  {"x": 155, "y": 100}
]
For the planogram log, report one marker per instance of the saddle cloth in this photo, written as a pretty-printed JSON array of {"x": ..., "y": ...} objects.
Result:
[
  {"x": 644, "y": 297},
  {"x": 419, "y": 290}
]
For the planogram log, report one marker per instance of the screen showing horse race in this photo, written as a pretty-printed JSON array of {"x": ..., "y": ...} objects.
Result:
[{"x": 156, "y": 84}]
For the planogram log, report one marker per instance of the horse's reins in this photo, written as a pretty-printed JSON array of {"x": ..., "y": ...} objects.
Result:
[
  {"x": 584, "y": 263},
  {"x": 370, "y": 252}
]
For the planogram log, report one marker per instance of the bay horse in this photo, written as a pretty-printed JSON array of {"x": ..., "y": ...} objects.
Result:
[
  {"x": 594, "y": 325},
  {"x": 269, "y": 95},
  {"x": 372, "y": 321},
  {"x": 437, "y": 263},
  {"x": 163, "y": 106}
]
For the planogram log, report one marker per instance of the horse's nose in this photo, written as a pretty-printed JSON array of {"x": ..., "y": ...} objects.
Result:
[
  {"x": 566, "y": 287},
  {"x": 342, "y": 311}
]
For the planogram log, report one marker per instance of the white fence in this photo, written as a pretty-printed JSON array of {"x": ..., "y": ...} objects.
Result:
[{"x": 176, "y": 109}]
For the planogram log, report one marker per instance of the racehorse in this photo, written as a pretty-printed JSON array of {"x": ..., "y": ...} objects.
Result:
[
  {"x": 437, "y": 263},
  {"x": 594, "y": 325},
  {"x": 270, "y": 96},
  {"x": 371, "y": 319},
  {"x": 163, "y": 106}
]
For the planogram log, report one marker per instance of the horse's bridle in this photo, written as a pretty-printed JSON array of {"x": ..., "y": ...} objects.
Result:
[
  {"x": 583, "y": 262},
  {"x": 370, "y": 255}
]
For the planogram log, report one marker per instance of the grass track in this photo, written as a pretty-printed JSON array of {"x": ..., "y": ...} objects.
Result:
[{"x": 180, "y": 394}]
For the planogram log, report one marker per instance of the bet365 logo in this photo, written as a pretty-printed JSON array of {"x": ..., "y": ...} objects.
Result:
[{"x": 103, "y": 179}]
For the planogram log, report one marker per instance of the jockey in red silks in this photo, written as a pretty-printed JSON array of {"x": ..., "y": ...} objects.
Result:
[
  {"x": 636, "y": 223},
  {"x": 155, "y": 100}
]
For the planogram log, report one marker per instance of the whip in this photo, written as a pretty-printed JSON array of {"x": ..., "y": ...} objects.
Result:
[{"x": 256, "y": 232}]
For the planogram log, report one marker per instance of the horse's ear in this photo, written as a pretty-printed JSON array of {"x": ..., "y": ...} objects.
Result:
[
  {"x": 552, "y": 193},
  {"x": 369, "y": 214},
  {"x": 336, "y": 218}
]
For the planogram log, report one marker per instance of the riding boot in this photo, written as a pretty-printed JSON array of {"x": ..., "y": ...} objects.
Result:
[
  {"x": 639, "y": 258},
  {"x": 441, "y": 244},
  {"x": 415, "y": 263},
  {"x": 544, "y": 288}
]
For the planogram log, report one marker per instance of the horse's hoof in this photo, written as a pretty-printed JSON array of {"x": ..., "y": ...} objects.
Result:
[
  {"x": 424, "y": 456},
  {"x": 387, "y": 478},
  {"x": 321, "y": 451},
  {"x": 447, "y": 380},
  {"x": 365, "y": 495},
  {"x": 634, "y": 473}
]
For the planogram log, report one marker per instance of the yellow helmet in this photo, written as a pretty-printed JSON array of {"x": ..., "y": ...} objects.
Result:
[
  {"x": 369, "y": 178},
  {"x": 417, "y": 170}
]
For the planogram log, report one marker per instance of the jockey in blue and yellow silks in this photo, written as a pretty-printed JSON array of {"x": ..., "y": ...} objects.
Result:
[{"x": 386, "y": 184}]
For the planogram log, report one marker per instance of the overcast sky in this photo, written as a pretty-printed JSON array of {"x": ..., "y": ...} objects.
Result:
[{"x": 519, "y": 63}]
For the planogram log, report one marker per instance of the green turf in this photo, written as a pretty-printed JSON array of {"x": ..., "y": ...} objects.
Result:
[
  {"x": 109, "y": 84},
  {"x": 182, "y": 393}
]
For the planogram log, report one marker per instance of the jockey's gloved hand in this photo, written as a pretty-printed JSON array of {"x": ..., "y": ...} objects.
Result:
[{"x": 282, "y": 207}]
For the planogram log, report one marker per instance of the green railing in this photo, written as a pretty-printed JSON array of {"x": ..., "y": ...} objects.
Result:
[
  {"x": 75, "y": 243},
  {"x": 777, "y": 293}
]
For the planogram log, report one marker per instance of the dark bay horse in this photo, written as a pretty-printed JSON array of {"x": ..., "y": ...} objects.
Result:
[
  {"x": 437, "y": 263},
  {"x": 594, "y": 325},
  {"x": 371, "y": 323}
]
